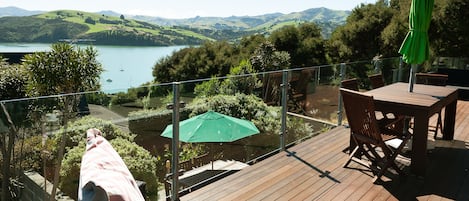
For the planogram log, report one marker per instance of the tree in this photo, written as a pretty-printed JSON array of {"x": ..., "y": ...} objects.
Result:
[
  {"x": 267, "y": 58},
  {"x": 90, "y": 20},
  {"x": 210, "y": 59},
  {"x": 360, "y": 37},
  {"x": 12, "y": 116},
  {"x": 122, "y": 17},
  {"x": 65, "y": 69},
  {"x": 449, "y": 34},
  {"x": 304, "y": 43}
]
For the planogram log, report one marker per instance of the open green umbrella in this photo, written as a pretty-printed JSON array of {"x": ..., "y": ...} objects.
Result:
[
  {"x": 212, "y": 127},
  {"x": 414, "y": 49}
]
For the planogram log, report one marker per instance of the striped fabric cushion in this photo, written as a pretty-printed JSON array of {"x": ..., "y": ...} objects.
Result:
[{"x": 103, "y": 169}]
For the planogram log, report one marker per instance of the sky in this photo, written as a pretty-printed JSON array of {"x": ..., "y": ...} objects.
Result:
[{"x": 177, "y": 9}]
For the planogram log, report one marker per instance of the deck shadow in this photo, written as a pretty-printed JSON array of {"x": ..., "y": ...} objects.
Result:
[{"x": 322, "y": 173}]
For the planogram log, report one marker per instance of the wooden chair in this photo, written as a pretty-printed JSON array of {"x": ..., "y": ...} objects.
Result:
[
  {"x": 271, "y": 88},
  {"x": 368, "y": 137},
  {"x": 393, "y": 120},
  {"x": 299, "y": 88},
  {"x": 351, "y": 84},
  {"x": 376, "y": 80},
  {"x": 386, "y": 119},
  {"x": 438, "y": 80}
]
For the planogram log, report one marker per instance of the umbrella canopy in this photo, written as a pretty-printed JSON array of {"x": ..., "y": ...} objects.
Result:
[
  {"x": 414, "y": 49},
  {"x": 212, "y": 127}
]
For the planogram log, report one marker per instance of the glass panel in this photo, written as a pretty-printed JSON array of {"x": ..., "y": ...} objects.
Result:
[{"x": 133, "y": 120}]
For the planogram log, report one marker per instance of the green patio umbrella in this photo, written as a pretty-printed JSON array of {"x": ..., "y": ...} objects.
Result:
[
  {"x": 212, "y": 127},
  {"x": 414, "y": 49}
]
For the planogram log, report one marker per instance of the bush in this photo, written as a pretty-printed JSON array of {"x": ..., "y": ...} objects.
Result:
[
  {"x": 122, "y": 97},
  {"x": 249, "y": 107},
  {"x": 76, "y": 130},
  {"x": 90, "y": 20},
  {"x": 30, "y": 153},
  {"x": 100, "y": 98}
]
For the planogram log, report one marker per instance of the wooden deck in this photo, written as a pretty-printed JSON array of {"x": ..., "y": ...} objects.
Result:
[{"x": 313, "y": 170}]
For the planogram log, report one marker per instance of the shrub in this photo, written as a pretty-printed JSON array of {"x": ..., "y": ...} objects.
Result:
[
  {"x": 100, "y": 98},
  {"x": 122, "y": 97},
  {"x": 30, "y": 153},
  {"x": 76, "y": 130}
]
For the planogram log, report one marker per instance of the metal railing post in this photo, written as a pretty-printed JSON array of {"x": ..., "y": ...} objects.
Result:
[
  {"x": 377, "y": 64},
  {"x": 318, "y": 76},
  {"x": 401, "y": 63},
  {"x": 175, "y": 144},
  {"x": 340, "y": 106},
  {"x": 284, "y": 109}
]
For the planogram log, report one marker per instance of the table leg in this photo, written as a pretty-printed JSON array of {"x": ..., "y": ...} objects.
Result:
[
  {"x": 419, "y": 145},
  {"x": 450, "y": 119}
]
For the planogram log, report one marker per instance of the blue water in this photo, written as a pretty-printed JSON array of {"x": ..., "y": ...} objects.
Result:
[{"x": 125, "y": 66}]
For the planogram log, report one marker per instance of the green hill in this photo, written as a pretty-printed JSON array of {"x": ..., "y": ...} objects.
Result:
[
  {"x": 106, "y": 30},
  {"x": 109, "y": 28},
  {"x": 231, "y": 27}
]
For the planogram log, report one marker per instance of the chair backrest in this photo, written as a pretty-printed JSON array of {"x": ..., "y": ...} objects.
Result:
[
  {"x": 351, "y": 84},
  {"x": 271, "y": 88},
  {"x": 360, "y": 111},
  {"x": 431, "y": 79},
  {"x": 376, "y": 81},
  {"x": 301, "y": 85}
]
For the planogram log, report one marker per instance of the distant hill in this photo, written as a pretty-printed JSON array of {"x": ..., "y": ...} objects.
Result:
[
  {"x": 14, "y": 11},
  {"x": 107, "y": 27},
  {"x": 328, "y": 19},
  {"x": 100, "y": 29}
]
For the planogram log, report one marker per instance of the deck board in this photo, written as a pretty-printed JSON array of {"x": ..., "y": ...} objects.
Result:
[{"x": 312, "y": 170}]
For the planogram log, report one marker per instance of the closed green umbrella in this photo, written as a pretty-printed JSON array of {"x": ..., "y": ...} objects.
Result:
[
  {"x": 414, "y": 49},
  {"x": 212, "y": 127}
]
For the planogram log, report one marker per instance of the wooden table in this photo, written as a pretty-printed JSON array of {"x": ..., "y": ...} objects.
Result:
[{"x": 421, "y": 104}]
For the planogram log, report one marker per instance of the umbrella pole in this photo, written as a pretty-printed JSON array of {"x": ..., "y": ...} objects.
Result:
[
  {"x": 211, "y": 158},
  {"x": 413, "y": 69}
]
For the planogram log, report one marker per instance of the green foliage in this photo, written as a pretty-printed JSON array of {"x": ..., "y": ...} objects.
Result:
[
  {"x": 122, "y": 97},
  {"x": 267, "y": 58},
  {"x": 13, "y": 86},
  {"x": 146, "y": 101},
  {"x": 33, "y": 151},
  {"x": 449, "y": 27},
  {"x": 210, "y": 59},
  {"x": 33, "y": 29},
  {"x": 13, "y": 81},
  {"x": 99, "y": 98},
  {"x": 304, "y": 43},
  {"x": 76, "y": 130},
  {"x": 188, "y": 151},
  {"x": 208, "y": 88},
  {"x": 70, "y": 170},
  {"x": 242, "y": 106},
  {"x": 252, "y": 108},
  {"x": 241, "y": 80},
  {"x": 90, "y": 20},
  {"x": 64, "y": 69},
  {"x": 360, "y": 37}
]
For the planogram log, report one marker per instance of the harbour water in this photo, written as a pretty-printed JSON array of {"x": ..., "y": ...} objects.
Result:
[{"x": 125, "y": 66}]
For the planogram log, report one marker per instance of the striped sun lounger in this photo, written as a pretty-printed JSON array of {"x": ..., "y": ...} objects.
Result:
[{"x": 103, "y": 173}]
